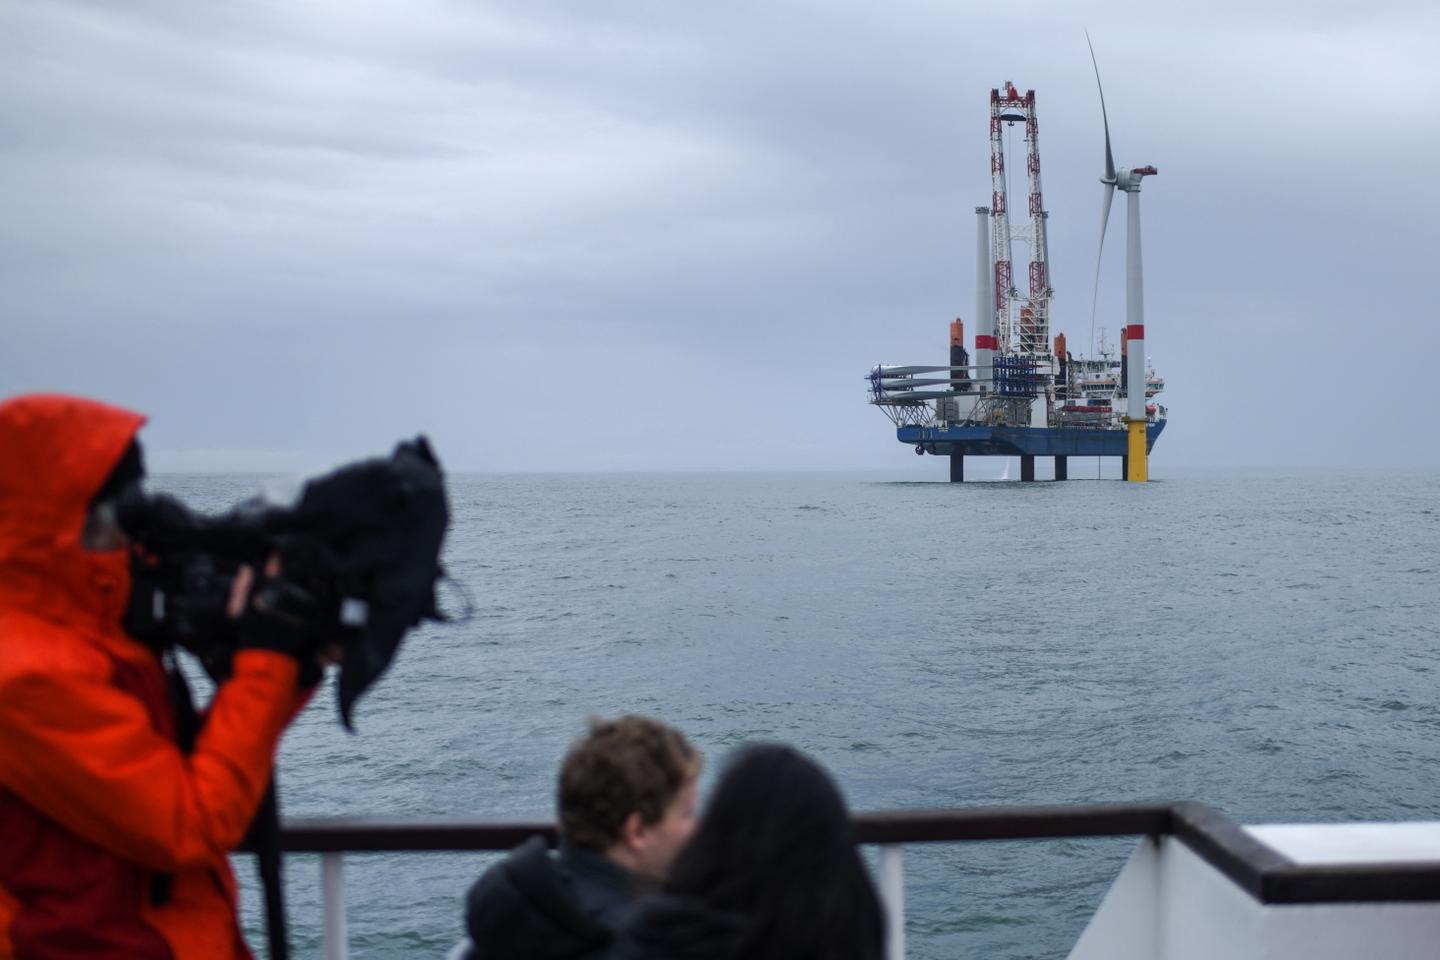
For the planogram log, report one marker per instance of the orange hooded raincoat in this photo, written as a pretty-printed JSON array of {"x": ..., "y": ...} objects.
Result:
[{"x": 96, "y": 799}]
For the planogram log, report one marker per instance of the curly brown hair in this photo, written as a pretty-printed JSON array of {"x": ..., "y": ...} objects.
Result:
[{"x": 631, "y": 764}]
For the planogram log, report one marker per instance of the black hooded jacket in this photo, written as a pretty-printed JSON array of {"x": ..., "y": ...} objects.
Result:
[
  {"x": 677, "y": 928},
  {"x": 534, "y": 906}
]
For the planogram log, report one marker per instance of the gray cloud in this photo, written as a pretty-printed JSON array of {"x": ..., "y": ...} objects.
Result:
[{"x": 658, "y": 235}]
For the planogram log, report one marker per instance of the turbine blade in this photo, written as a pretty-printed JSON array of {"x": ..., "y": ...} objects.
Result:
[
  {"x": 907, "y": 383},
  {"x": 894, "y": 371},
  {"x": 1095, "y": 291},
  {"x": 913, "y": 396},
  {"x": 1109, "y": 157}
]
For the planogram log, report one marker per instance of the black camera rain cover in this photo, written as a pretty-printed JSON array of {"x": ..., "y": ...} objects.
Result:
[{"x": 383, "y": 523}]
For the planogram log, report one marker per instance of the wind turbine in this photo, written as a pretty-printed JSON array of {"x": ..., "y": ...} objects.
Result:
[{"x": 1128, "y": 180}]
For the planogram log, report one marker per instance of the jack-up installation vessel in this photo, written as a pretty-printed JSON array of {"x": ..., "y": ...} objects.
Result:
[{"x": 1026, "y": 395}]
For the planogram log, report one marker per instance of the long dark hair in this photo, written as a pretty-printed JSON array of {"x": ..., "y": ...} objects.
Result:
[{"x": 775, "y": 847}]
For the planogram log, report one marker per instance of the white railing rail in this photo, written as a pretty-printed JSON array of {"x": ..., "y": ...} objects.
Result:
[
  {"x": 892, "y": 898},
  {"x": 335, "y": 945}
]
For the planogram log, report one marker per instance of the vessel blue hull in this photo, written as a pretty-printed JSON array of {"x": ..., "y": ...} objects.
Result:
[{"x": 1022, "y": 441}]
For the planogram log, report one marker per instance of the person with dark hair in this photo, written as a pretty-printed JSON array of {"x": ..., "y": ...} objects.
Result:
[
  {"x": 771, "y": 873},
  {"x": 626, "y": 804},
  {"x": 118, "y": 806}
]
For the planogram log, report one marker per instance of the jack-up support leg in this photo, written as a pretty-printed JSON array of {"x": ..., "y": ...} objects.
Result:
[
  {"x": 1138, "y": 459},
  {"x": 1027, "y": 466},
  {"x": 1062, "y": 469},
  {"x": 957, "y": 468}
]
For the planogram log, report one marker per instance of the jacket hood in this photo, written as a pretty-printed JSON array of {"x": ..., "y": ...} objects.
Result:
[
  {"x": 55, "y": 453},
  {"x": 523, "y": 907}
]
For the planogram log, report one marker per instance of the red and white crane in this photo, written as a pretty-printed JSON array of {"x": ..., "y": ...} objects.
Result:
[{"x": 1028, "y": 334}]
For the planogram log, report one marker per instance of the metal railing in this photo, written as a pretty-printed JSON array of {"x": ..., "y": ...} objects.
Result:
[{"x": 1263, "y": 873}]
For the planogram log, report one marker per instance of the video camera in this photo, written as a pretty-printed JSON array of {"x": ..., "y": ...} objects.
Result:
[{"x": 359, "y": 558}]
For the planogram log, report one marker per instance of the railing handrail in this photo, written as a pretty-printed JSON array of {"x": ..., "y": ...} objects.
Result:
[
  {"x": 1261, "y": 871},
  {"x": 364, "y": 834}
]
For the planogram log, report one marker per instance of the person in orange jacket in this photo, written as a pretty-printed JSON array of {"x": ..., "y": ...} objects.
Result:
[{"x": 114, "y": 840}]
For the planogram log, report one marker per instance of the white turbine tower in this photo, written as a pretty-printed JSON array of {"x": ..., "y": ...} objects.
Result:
[{"x": 1128, "y": 180}]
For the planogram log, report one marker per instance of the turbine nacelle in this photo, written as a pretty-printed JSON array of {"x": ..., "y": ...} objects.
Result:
[{"x": 1128, "y": 179}]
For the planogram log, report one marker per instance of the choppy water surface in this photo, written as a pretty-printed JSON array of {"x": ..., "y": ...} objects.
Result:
[{"x": 1265, "y": 643}]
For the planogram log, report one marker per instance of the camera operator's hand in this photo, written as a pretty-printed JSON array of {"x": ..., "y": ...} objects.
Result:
[{"x": 277, "y": 614}]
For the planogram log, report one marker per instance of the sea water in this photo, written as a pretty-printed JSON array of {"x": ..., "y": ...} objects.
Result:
[{"x": 1268, "y": 643}]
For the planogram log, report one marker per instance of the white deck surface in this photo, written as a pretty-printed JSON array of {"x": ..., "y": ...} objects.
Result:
[{"x": 1352, "y": 842}]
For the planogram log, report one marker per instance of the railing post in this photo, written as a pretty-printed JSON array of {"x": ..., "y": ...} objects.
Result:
[
  {"x": 892, "y": 897},
  {"x": 332, "y": 898}
]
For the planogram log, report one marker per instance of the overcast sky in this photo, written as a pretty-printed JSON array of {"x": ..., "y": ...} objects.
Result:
[{"x": 669, "y": 235}]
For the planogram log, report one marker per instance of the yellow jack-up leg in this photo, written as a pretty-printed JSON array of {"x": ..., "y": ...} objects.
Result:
[{"x": 1139, "y": 465}]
